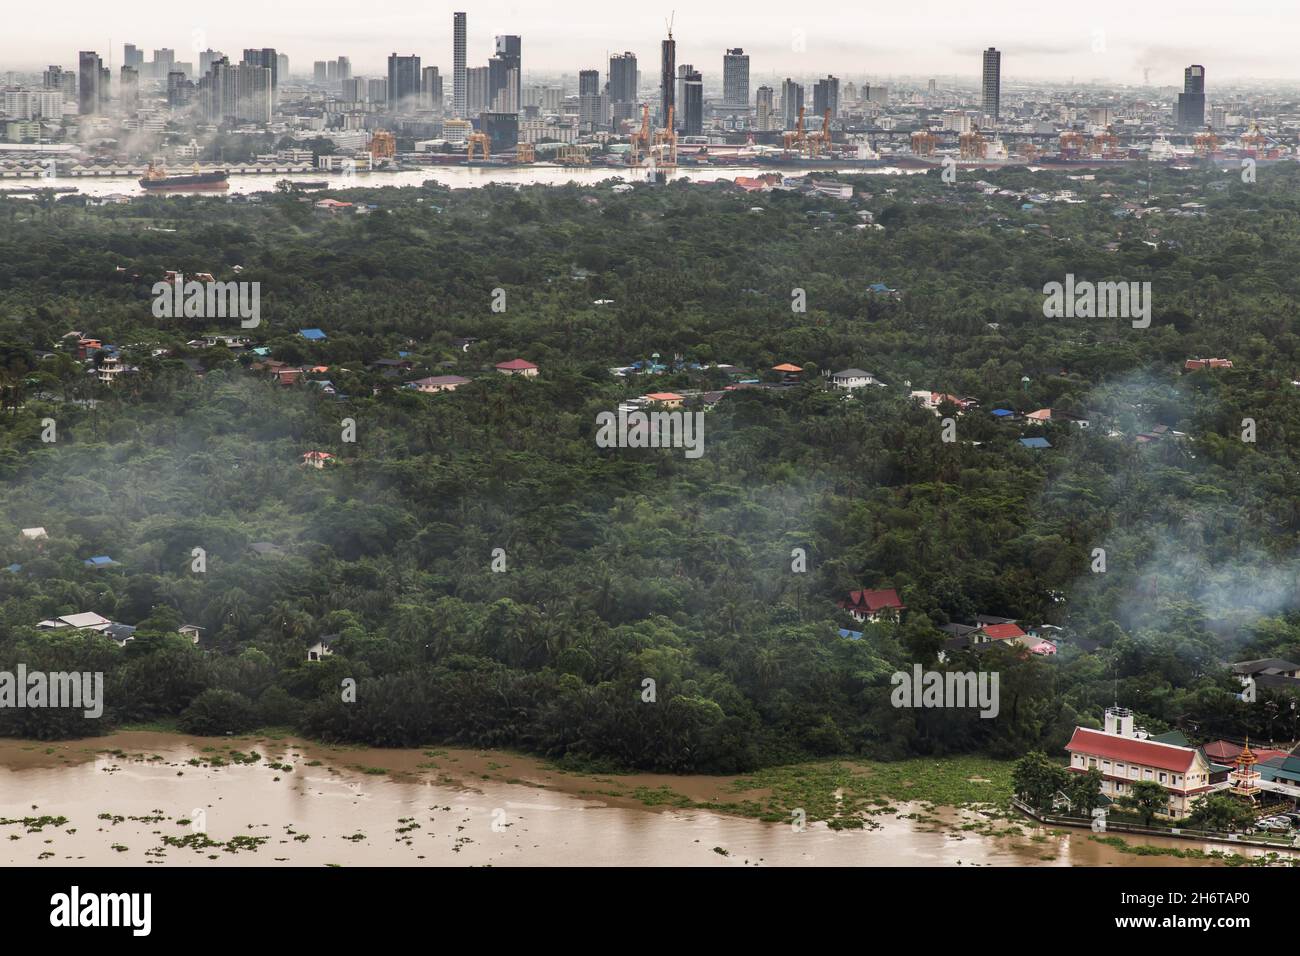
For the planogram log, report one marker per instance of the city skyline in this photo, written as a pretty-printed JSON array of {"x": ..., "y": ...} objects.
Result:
[{"x": 933, "y": 37}]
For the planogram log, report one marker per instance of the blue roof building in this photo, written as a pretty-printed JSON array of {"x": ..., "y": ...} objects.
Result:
[
  {"x": 851, "y": 635},
  {"x": 312, "y": 335},
  {"x": 101, "y": 561},
  {"x": 1035, "y": 443}
]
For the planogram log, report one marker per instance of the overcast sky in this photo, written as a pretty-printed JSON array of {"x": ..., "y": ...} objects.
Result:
[{"x": 1104, "y": 39}]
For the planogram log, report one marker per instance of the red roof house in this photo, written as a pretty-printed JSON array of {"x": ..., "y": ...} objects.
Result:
[
  {"x": 517, "y": 367},
  {"x": 866, "y": 605}
]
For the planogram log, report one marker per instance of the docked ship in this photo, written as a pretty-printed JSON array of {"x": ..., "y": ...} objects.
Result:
[{"x": 156, "y": 180}]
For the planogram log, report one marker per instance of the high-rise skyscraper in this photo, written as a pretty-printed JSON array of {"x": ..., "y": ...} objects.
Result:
[
  {"x": 88, "y": 74},
  {"x": 132, "y": 56},
  {"x": 319, "y": 72},
  {"x": 431, "y": 89},
  {"x": 265, "y": 57},
  {"x": 667, "y": 76},
  {"x": 735, "y": 78},
  {"x": 622, "y": 78},
  {"x": 826, "y": 96},
  {"x": 588, "y": 83},
  {"x": 505, "y": 75},
  {"x": 207, "y": 58},
  {"x": 458, "y": 75},
  {"x": 764, "y": 103},
  {"x": 991, "y": 90},
  {"x": 343, "y": 69},
  {"x": 1191, "y": 102},
  {"x": 791, "y": 102},
  {"x": 282, "y": 66},
  {"x": 692, "y": 105},
  {"x": 129, "y": 88},
  {"x": 477, "y": 90},
  {"x": 403, "y": 83}
]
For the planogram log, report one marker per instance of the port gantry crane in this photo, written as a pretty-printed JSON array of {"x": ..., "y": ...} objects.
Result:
[
  {"x": 481, "y": 141},
  {"x": 663, "y": 150}
]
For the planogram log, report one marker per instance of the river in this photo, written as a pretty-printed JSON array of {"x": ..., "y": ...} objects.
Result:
[
  {"x": 142, "y": 798},
  {"x": 456, "y": 177}
]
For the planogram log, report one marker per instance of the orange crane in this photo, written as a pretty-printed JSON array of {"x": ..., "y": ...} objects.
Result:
[
  {"x": 1254, "y": 139},
  {"x": 481, "y": 141},
  {"x": 1104, "y": 141},
  {"x": 640, "y": 140},
  {"x": 1205, "y": 143},
  {"x": 525, "y": 153},
  {"x": 821, "y": 141},
  {"x": 383, "y": 145},
  {"x": 1071, "y": 140},
  {"x": 797, "y": 138},
  {"x": 971, "y": 145},
  {"x": 664, "y": 147},
  {"x": 923, "y": 143}
]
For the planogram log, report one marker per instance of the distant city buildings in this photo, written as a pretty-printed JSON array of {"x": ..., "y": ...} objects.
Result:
[
  {"x": 826, "y": 96},
  {"x": 791, "y": 102},
  {"x": 991, "y": 86},
  {"x": 459, "y": 76},
  {"x": 1191, "y": 102},
  {"x": 667, "y": 77},
  {"x": 404, "y": 83},
  {"x": 735, "y": 78}
]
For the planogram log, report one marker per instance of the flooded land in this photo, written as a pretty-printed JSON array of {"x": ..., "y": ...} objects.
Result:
[{"x": 161, "y": 799}]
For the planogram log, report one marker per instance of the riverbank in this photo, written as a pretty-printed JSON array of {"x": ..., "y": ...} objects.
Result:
[{"x": 148, "y": 798}]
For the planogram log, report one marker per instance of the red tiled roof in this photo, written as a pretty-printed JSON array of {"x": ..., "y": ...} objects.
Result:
[
  {"x": 516, "y": 364},
  {"x": 1002, "y": 632},
  {"x": 1148, "y": 753},
  {"x": 873, "y": 600},
  {"x": 1221, "y": 751},
  {"x": 786, "y": 367}
]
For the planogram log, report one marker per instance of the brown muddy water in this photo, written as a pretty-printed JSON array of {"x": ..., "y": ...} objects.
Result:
[{"x": 136, "y": 799}]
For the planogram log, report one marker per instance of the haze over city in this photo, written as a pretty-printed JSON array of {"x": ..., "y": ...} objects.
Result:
[{"x": 1111, "y": 41}]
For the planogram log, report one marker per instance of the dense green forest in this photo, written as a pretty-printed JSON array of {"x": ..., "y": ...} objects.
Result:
[{"x": 627, "y": 564}]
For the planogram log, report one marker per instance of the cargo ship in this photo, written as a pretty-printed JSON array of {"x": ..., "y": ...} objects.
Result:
[{"x": 156, "y": 180}]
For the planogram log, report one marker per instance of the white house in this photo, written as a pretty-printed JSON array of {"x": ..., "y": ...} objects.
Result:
[{"x": 851, "y": 378}]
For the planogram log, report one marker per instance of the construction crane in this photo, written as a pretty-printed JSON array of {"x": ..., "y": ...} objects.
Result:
[{"x": 481, "y": 141}]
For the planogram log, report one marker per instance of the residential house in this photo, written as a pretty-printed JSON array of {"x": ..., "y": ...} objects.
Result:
[
  {"x": 853, "y": 378},
  {"x": 517, "y": 367},
  {"x": 1125, "y": 755},
  {"x": 932, "y": 400},
  {"x": 100, "y": 561},
  {"x": 874, "y": 606},
  {"x": 438, "y": 383},
  {"x": 34, "y": 534},
  {"x": 664, "y": 399},
  {"x": 322, "y": 648},
  {"x": 192, "y": 631},
  {"x": 1196, "y": 364},
  {"x": 1035, "y": 443},
  {"x": 789, "y": 373},
  {"x": 312, "y": 335},
  {"x": 263, "y": 549},
  {"x": 317, "y": 459}
]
